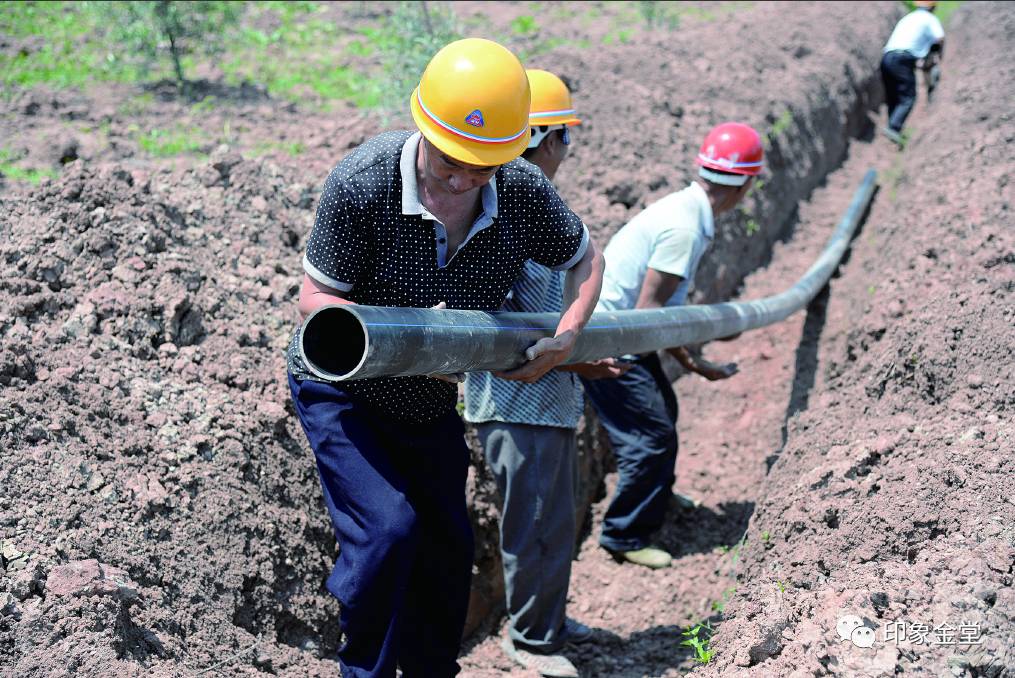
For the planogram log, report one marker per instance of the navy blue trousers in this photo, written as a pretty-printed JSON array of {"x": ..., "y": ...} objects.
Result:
[
  {"x": 898, "y": 74},
  {"x": 639, "y": 412},
  {"x": 396, "y": 496}
]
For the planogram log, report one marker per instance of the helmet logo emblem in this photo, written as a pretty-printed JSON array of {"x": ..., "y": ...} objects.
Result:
[{"x": 475, "y": 119}]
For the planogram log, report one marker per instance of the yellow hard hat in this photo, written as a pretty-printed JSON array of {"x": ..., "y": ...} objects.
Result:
[
  {"x": 473, "y": 102},
  {"x": 551, "y": 100}
]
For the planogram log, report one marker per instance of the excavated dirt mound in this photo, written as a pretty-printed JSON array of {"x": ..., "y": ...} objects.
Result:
[{"x": 161, "y": 512}]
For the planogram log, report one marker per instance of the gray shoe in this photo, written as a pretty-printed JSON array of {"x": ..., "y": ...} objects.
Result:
[
  {"x": 576, "y": 632},
  {"x": 554, "y": 665},
  {"x": 895, "y": 137}
]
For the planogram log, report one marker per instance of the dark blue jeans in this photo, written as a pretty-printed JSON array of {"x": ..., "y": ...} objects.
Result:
[
  {"x": 639, "y": 413},
  {"x": 396, "y": 496},
  {"x": 898, "y": 74}
]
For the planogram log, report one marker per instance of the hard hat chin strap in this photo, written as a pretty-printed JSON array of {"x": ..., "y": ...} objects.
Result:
[{"x": 723, "y": 178}]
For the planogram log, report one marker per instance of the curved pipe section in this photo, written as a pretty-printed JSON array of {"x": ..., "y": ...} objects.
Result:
[{"x": 349, "y": 341}]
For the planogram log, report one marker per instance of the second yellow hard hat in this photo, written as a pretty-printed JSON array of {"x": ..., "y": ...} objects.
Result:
[{"x": 551, "y": 100}]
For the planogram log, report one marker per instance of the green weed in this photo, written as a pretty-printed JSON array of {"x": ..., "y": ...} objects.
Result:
[
  {"x": 11, "y": 170},
  {"x": 543, "y": 46},
  {"x": 893, "y": 177},
  {"x": 292, "y": 148},
  {"x": 524, "y": 25},
  {"x": 163, "y": 143},
  {"x": 783, "y": 122},
  {"x": 136, "y": 105},
  {"x": 751, "y": 225},
  {"x": 622, "y": 36},
  {"x": 208, "y": 103},
  {"x": 698, "y": 638},
  {"x": 656, "y": 13}
]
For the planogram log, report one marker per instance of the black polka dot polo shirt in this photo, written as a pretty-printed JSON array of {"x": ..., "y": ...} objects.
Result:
[{"x": 374, "y": 241}]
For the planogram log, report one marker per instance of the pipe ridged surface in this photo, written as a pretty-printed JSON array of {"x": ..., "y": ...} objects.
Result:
[{"x": 345, "y": 342}]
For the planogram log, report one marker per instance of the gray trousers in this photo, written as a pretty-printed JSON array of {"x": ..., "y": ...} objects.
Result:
[{"x": 536, "y": 472}]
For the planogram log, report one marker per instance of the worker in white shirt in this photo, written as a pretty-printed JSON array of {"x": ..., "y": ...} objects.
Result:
[
  {"x": 651, "y": 263},
  {"x": 914, "y": 37}
]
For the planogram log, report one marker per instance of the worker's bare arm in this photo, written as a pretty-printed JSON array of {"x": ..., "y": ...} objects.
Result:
[
  {"x": 699, "y": 365},
  {"x": 314, "y": 295},
  {"x": 657, "y": 288}
]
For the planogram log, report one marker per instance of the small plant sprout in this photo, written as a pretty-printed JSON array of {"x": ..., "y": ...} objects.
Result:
[
  {"x": 524, "y": 25},
  {"x": 698, "y": 638},
  {"x": 765, "y": 536}
]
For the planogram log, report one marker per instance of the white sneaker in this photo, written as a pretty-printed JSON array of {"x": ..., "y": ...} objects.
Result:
[{"x": 554, "y": 665}]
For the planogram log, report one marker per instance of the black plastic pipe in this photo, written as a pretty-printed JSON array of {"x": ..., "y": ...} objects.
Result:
[{"x": 348, "y": 341}]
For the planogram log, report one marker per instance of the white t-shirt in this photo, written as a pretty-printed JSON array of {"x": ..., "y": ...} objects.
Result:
[
  {"x": 916, "y": 33},
  {"x": 670, "y": 235}
]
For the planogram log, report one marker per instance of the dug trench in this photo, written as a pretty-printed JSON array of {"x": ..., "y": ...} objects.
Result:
[
  {"x": 865, "y": 445},
  {"x": 146, "y": 427}
]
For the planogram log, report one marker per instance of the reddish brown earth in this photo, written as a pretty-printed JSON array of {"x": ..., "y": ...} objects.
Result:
[
  {"x": 893, "y": 497},
  {"x": 160, "y": 511}
]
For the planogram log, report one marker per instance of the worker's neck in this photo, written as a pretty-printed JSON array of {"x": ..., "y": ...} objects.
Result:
[
  {"x": 716, "y": 196},
  {"x": 543, "y": 162}
]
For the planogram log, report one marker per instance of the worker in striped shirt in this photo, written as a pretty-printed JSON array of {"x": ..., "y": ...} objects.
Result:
[{"x": 528, "y": 436}]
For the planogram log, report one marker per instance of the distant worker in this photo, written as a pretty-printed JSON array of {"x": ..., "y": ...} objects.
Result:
[
  {"x": 528, "y": 436},
  {"x": 441, "y": 217},
  {"x": 651, "y": 263},
  {"x": 915, "y": 37}
]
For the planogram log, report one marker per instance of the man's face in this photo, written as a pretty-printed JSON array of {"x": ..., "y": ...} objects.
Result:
[
  {"x": 560, "y": 149},
  {"x": 453, "y": 176}
]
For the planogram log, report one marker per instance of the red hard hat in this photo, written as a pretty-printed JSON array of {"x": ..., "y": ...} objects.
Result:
[{"x": 732, "y": 148}]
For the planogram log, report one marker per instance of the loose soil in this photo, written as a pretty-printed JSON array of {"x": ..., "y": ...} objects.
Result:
[{"x": 161, "y": 513}]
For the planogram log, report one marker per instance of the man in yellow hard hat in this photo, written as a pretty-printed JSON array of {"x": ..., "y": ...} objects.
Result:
[
  {"x": 444, "y": 217},
  {"x": 528, "y": 437},
  {"x": 917, "y": 35}
]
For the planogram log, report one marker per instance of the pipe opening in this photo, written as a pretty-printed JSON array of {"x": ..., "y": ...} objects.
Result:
[{"x": 334, "y": 342}]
